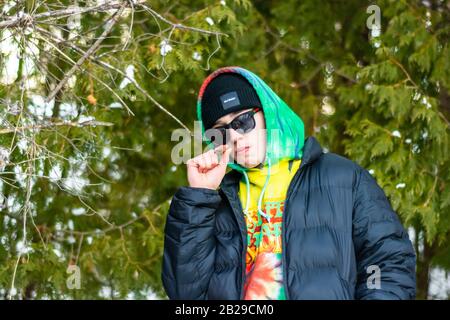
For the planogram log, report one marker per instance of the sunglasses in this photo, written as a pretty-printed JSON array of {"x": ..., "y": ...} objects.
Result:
[{"x": 243, "y": 123}]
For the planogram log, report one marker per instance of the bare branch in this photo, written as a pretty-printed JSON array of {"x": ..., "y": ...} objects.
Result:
[
  {"x": 133, "y": 81},
  {"x": 91, "y": 123},
  {"x": 179, "y": 25},
  {"x": 27, "y": 19},
  {"x": 88, "y": 53}
]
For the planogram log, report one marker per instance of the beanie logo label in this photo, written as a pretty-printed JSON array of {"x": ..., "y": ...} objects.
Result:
[{"x": 229, "y": 100}]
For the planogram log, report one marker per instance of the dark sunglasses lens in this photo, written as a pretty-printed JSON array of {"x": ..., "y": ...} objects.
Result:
[
  {"x": 216, "y": 135},
  {"x": 244, "y": 123}
]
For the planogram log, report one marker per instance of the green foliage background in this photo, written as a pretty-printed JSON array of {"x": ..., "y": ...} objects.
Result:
[{"x": 382, "y": 101}]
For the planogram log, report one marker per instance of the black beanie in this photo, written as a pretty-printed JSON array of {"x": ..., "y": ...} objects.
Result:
[{"x": 226, "y": 93}]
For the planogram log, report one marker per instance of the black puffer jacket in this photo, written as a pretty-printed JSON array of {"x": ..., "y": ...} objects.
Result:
[{"x": 337, "y": 222}]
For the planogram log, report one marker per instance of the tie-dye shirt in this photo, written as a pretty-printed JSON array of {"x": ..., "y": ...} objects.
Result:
[{"x": 264, "y": 272}]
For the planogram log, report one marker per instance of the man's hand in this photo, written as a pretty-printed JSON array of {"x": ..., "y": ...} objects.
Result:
[{"x": 206, "y": 171}]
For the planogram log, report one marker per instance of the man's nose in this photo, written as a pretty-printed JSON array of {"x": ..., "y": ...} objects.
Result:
[{"x": 234, "y": 136}]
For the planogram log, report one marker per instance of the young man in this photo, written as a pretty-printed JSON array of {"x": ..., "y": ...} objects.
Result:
[{"x": 288, "y": 221}]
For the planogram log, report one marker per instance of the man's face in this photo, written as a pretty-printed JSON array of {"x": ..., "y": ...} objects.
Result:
[{"x": 249, "y": 149}]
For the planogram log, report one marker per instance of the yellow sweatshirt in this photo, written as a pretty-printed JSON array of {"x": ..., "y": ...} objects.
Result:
[{"x": 263, "y": 260}]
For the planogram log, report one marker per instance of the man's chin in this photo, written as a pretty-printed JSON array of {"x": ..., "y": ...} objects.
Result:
[{"x": 248, "y": 164}]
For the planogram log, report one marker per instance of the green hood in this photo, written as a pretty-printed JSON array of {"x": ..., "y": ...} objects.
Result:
[{"x": 289, "y": 140}]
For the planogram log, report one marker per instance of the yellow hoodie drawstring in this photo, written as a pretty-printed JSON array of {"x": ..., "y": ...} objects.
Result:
[
  {"x": 247, "y": 183},
  {"x": 267, "y": 216}
]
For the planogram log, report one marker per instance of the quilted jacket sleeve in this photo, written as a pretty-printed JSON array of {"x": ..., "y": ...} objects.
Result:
[
  {"x": 189, "y": 243},
  {"x": 381, "y": 244}
]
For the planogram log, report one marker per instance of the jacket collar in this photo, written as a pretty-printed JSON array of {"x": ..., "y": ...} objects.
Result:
[{"x": 311, "y": 152}]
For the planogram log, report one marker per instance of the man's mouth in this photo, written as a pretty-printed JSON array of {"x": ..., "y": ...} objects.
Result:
[{"x": 242, "y": 150}]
